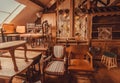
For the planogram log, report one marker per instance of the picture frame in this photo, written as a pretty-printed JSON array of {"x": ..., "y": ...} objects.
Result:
[{"x": 105, "y": 33}]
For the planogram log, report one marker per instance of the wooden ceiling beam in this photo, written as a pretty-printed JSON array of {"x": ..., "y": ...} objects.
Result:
[
  {"x": 88, "y": 4},
  {"x": 108, "y": 1},
  {"x": 92, "y": 10},
  {"x": 110, "y": 9},
  {"x": 98, "y": 9},
  {"x": 105, "y": 9},
  {"x": 39, "y": 3},
  {"x": 52, "y": 2},
  {"x": 102, "y": 2},
  {"x": 118, "y": 8},
  {"x": 115, "y": 2},
  {"x": 82, "y": 4}
]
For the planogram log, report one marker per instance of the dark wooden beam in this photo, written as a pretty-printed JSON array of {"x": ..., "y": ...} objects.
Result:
[
  {"x": 39, "y": 3},
  {"x": 108, "y": 1},
  {"x": 92, "y": 10},
  {"x": 102, "y": 2},
  {"x": 98, "y": 9},
  {"x": 81, "y": 4},
  {"x": 105, "y": 9},
  {"x": 110, "y": 9},
  {"x": 115, "y": 2}
]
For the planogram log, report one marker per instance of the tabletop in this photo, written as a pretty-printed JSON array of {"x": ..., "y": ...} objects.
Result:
[{"x": 7, "y": 45}]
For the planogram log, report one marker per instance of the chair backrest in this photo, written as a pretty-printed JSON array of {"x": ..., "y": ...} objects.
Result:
[
  {"x": 20, "y": 29},
  {"x": 8, "y": 28},
  {"x": 58, "y": 51},
  {"x": 78, "y": 52}
]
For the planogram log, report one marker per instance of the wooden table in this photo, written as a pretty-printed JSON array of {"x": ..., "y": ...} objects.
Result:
[
  {"x": 20, "y": 54},
  {"x": 7, "y": 71},
  {"x": 11, "y": 46}
]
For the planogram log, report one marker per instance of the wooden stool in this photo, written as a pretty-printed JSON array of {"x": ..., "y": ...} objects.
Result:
[{"x": 109, "y": 60}]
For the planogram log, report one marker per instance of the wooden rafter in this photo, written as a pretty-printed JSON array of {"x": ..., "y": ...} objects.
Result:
[
  {"x": 93, "y": 3},
  {"x": 39, "y": 3},
  {"x": 51, "y": 3},
  {"x": 100, "y": 9},
  {"x": 81, "y": 4},
  {"x": 108, "y": 1},
  {"x": 102, "y": 2},
  {"x": 115, "y": 2}
]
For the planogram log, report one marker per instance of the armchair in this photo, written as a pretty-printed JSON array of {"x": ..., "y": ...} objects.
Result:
[
  {"x": 8, "y": 31},
  {"x": 80, "y": 59},
  {"x": 80, "y": 62},
  {"x": 85, "y": 64}
]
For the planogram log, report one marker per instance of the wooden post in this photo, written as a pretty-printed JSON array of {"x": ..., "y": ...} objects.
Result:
[
  {"x": 89, "y": 22},
  {"x": 88, "y": 4},
  {"x": 72, "y": 17},
  {"x": 3, "y": 37}
]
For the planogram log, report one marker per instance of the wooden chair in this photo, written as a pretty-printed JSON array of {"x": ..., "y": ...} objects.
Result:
[
  {"x": 33, "y": 72},
  {"x": 8, "y": 31},
  {"x": 20, "y": 29},
  {"x": 80, "y": 61},
  {"x": 8, "y": 28},
  {"x": 57, "y": 65}
]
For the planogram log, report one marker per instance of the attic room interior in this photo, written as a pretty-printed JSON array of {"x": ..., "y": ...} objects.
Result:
[{"x": 59, "y": 41}]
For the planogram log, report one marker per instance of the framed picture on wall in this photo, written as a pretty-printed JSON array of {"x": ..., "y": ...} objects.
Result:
[{"x": 105, "y": 33}]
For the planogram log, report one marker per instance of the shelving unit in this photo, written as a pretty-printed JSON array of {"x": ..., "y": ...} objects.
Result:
[{"x": 106, "y": 22}]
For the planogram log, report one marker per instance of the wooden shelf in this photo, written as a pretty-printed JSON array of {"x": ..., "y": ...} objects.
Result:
[{"x": 114, "y": 23}]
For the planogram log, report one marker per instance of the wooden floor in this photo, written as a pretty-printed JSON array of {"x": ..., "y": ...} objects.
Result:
[{"x": 101, "y": 75}]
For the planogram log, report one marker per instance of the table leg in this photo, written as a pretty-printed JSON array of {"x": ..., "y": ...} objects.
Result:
[
  {"x": 10, "y": 81},
  {"x": 25, "y": 52},
  {"x": 13, "y": 59}
]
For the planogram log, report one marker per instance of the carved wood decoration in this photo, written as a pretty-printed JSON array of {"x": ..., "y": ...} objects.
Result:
[
  {"x": 80, "y": 23},
  {"x": 81, "y": 27},
  {"x": 98, "y": 6},
  {"x": 63, "y": 29}
]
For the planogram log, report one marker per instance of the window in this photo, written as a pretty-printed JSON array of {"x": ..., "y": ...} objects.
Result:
[{"x": 9, "y": 9}]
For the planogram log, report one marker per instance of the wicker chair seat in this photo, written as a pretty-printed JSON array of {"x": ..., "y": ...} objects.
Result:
[{"x": 55, "y": 68}]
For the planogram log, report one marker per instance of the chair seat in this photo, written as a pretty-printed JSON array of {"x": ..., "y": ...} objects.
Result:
[
  {"x": 79, "y": 65},
  {"x": 55, "y": 68}
]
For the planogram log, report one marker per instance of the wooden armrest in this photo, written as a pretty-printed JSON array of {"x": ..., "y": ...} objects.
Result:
[
  {"x": 91, "y": 59},
  {"x": 47, "y": 59},
  {"x": 89, "y": 55}
]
